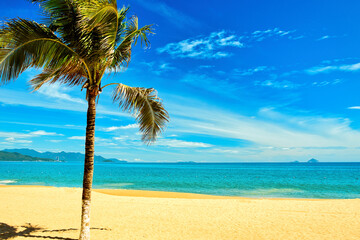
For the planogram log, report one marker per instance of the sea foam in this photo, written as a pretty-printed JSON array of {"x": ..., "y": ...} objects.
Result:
[{"x": 4, "y": 182}]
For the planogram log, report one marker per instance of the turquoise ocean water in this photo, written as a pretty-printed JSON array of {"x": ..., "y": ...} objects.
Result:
[{"x": 284, "y": 180}]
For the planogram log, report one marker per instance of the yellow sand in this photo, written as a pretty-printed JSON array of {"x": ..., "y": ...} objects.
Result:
[{"x": 54, "y": 213}]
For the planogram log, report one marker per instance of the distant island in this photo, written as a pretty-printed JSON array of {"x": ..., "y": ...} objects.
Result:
[
  {"x": 32, "y": 155},
  {"x": 187, "y": 162},
  {"x": 17, "y": 157},
  {"x": 313, "y": 160}
]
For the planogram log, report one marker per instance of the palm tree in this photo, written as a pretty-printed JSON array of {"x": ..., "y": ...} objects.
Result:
[{"x": 78, "y": 43}]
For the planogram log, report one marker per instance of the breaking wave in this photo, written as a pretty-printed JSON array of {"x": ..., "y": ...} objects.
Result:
[{"x": 4, "y": 182}]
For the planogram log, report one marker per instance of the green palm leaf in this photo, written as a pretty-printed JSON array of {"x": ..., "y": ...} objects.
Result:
[
  {"x": 29, "y": 44},
  {"x": 100, "y": 23},
  {"x": 71, "y": 75},
  {"x": 148, "y": 108},
  {"x": 129, "y": 37}
]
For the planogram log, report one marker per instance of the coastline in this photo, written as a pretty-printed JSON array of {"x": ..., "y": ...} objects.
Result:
[
  {"x": 166, "y": 194},
  {"x": 176, "y": 195},
  {"x": 54, "y": 212},
  {"x": 137, "y": 193}
]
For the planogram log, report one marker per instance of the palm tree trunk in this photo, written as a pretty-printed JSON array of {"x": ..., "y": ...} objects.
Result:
[{"x": 88, "y": 166}]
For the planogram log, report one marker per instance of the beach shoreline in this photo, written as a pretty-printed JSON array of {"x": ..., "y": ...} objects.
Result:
[
  {"x": 54, "y": 212},
  {"x": 139, "y": 193},
  {"x": 165, "y": 194}
]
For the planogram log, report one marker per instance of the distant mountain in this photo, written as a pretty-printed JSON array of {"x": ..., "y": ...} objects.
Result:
[
  {"x": 17, "y": 157},
  {"x": 61, "y": 156},
  {"x": 313, "y": 160},
  {"x": 187, "y": 162}
]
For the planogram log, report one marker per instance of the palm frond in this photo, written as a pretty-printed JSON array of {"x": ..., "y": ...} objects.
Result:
[
  {"x": 129, "y": 37},
  {"x": 69, "y": 74},
  {"x": 29, "y": 44},
  {"x": 121, "y": 24},
  {"x": 102, "y": 14},
  {"x": 148, "y": 108},
  {"x": 100, "y": 21},
  {"x": 64, "y": 17}
]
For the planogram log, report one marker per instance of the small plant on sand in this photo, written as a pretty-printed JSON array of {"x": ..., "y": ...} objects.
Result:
[{"x": 80, "y": 41}]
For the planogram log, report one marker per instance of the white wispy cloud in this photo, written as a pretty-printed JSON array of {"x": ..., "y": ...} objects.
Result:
[
  {"x": 77, "y": 138},
  {"x": 214, "y": 45},
  {"x": 14, "y": 134},
  {"x": 66, "y": 126},
  {"x": 138, "y": 160},
  {"x": 130, "y": 126},
  {"x": 23, "y": 138},
  {"x": 223, "y": 151},
  {"x": 166, "y": 66},
  {"x": 124, "y": 137},
  {"x": 175, "y": 143},
  {"x": 296, "y": 37},
  {"x": 331, "y": 68},
  {"x": 12, "y": 97},
  {"x": 268, "y": 128},
  {"x": 354, "y": 107},
  {"x": 59, "y": 92},
  {"x": 158, "y": 67},
  {"x": 203, "y": 47},
  {"x": 329, "y": 37},
  {"x": 14, "y": 140},
  {"x": 261, "y": 35},
  {"x": 339, "y": 60},
  {"x": 44, "y": 133},
  {"x": 287, "y": 154},
  {"x": 28, "y": 135},
  {"x": 57, "y": 95},
  {"x": 323, "y": 38},
  {"x": 252, "y": 71},
  {"x": 173, "y": 15},
  {"x": 97, "y": 139},
  {"x": 284, "y": 84},
  {"x": 326, "y": 83}
]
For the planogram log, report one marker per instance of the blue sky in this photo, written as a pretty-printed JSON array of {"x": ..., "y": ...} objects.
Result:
[{"x": 243, "y": 81}]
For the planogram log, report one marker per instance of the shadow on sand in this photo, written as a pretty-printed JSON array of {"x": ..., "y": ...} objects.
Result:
[{"x": 28, "y": 230}]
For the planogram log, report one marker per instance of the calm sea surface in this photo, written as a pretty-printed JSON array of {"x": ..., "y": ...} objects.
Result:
[{"x": 285, "y": 180}]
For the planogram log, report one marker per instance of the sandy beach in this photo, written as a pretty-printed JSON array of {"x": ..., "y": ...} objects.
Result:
[{"x": 54, "y": 213}]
